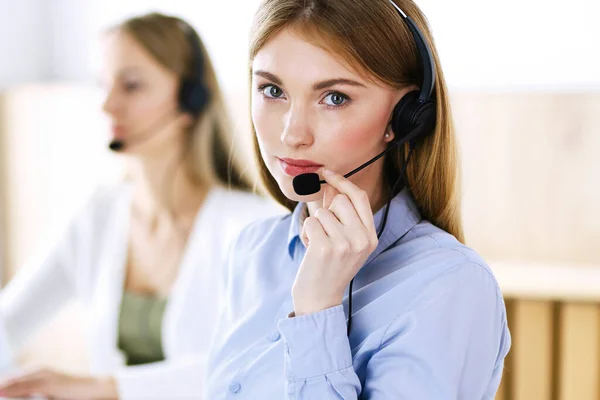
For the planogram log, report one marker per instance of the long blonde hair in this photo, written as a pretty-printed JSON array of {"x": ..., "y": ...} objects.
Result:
[
  {"x": 372, "y": 38},
  {"x": 210, "y": 157}
]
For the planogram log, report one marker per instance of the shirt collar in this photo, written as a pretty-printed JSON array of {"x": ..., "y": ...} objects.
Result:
[
  {"x": 402, "y": 217},
  {"x": 298, "y": 216}
]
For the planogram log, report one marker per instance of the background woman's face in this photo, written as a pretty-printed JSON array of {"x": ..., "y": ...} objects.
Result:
[{"x": 141, "y": 97}]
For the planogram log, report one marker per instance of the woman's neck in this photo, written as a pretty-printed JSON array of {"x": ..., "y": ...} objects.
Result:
[{"x": 163, "y": 189}]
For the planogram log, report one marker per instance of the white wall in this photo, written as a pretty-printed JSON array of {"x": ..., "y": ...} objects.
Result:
[
  {"x": 517, "y": 43},
  {"x": 483, "y": 44},
  {"x": 73, "y": 37},
  {"x": 24, "y": 43},
  {"x": 223, "y": 28}
]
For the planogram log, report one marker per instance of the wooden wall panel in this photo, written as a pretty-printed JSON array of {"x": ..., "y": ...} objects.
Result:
[
  {"x": 579, "y": 359},
  {"x": 532, "y": 351},
  {"x": 501, "y": 394}
]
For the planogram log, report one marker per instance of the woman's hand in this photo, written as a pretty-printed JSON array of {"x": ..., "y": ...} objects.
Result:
[
  {"x": 57, "y": 385},
  {"x": 339, "y": 238}
]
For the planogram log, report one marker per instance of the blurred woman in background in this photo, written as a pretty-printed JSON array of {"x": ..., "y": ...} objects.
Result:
[{"x": 142, "y": 256}]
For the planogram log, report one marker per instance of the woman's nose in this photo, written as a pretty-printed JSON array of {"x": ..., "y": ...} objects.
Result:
[{"x": 297, "y": 131}]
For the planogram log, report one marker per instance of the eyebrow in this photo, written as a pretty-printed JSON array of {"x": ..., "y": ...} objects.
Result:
[
  {"x": 339, "y": 81},
  {"x": 269, "y": 76},
  {"x": 128, "y": 70},
  {"x": 317, "y": 86}
]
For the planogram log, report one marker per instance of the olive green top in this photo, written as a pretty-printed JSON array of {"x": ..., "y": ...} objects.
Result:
[{"x": 140, "y": 328}]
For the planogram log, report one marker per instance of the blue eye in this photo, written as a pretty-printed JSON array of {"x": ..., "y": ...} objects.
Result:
[
  {"x": 271, "y": 91},
  {"x": 336, "y": 99}
]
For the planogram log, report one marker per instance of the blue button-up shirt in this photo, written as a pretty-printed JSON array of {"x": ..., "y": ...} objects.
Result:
[{"x": 428, "y": 320}]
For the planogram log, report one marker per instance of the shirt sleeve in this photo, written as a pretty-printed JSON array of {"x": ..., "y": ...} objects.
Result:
[{"x": 449, "y": 344}]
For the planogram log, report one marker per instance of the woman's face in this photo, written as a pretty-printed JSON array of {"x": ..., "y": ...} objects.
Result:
[
  {"x": 141, "y": 98},
  {"x": 311, "y": 110}
]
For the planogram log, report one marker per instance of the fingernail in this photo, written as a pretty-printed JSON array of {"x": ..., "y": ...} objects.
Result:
[{"x": 327, "y": 172}]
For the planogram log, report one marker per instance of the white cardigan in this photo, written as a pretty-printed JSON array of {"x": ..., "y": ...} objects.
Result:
[{"x": 89, "y": 262}]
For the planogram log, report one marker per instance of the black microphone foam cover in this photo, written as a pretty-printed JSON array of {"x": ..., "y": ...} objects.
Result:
[
  {"x": 116, "y": 145},
  {"x": 305, "y": 184}
]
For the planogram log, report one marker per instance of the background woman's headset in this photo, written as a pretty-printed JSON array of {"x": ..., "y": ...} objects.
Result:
[{"x": 193, "y": 92}]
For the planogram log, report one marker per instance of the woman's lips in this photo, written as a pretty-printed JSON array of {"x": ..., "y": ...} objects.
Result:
[
  {"x": 118, "y": 132},
  {"x": 297, "y": 167}
]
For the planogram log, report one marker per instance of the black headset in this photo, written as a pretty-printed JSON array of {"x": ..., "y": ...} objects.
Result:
[
  {"x": 414, "y": 116},
  {"x": 193, "y": 93}
]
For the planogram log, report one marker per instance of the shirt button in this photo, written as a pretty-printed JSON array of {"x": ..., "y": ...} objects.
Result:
[
  {"x": 235, "y": 387},
  {"x": 275, "y": 336},
  {"x": 291, "y": 389}
]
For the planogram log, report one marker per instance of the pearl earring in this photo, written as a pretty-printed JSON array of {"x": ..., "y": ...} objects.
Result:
[{"x": 387, "y": 135}]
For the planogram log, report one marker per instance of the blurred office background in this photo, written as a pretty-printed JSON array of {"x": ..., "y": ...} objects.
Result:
[{"x": 525, "y": 82}]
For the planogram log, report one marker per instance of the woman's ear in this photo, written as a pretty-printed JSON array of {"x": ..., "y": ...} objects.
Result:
[
  {"x": 389, "y": 135},
  {"x": 187, "y": 120}
]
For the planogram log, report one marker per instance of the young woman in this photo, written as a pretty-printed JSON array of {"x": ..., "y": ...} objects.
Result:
[
  {"x": 142, "y": 257},
  {"x": 335, "y": 84}
]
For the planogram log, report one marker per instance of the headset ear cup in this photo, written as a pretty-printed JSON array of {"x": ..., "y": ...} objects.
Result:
[
  {"x": 193, "y": 97},
  {"x": 412, "y": 119},
  {"x": 425, "y": 119},
  {"x": 402, "y": 123}
]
